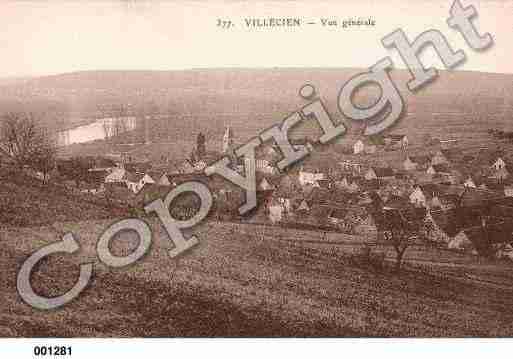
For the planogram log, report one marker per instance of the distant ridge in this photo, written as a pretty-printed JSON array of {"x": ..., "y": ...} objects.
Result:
[{"x": 251, "y": 99}]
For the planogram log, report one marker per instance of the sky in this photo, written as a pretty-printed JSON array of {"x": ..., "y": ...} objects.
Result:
[{"x": 51, "y": 37}]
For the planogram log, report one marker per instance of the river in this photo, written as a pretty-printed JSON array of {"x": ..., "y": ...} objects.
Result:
[{"x": 96, "y": 130}]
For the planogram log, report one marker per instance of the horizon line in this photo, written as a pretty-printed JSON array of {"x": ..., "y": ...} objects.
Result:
[{"x": 233, "y": 68}]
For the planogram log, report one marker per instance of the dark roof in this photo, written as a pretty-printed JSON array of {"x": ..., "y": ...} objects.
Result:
[
  {"x": 449, "y": 221},
  {"x": 441, "y": 168},
  {"x": 501, "y": 211},
  {"x": 369, "y": 185},
  {"x": 396, "y": 137},
  {"x": 138, "y": 167},
  {"x": 325, "y": 183},
  {"x": 421, "y": 160},
  {"x": 133, "y": 177},
  {"x": 397, "y": 202},
  {"x": 104, "y": 163},
  {"x": 451, "y": 153},
  {"x": 383, "y": 172},
  {"x": 449, "y": 198},
  {"x": 320, "y": 196},
  {"x": 430, "y": 189},
  {"x": 475, "y": 197},
  {"x": 338, "y": 213}
]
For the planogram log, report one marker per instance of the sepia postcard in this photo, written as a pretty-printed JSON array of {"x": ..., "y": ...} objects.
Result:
[{"x": 255, "y": 169}]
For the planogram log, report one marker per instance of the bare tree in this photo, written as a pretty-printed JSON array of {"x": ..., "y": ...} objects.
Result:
[
  {"x": 26, "y": 144},
  {"x": 401, "y": 228},
  {"x": 44, "y": 155}
]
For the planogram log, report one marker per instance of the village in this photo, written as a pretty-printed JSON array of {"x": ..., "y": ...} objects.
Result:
[{"x": 465, "y": 197}]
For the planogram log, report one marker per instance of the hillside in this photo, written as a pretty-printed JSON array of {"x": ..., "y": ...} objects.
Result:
[
  {"x": 24, "y": 201},
  {"x": 252, "y": 99},
  {"x": 259, "y": 284}
]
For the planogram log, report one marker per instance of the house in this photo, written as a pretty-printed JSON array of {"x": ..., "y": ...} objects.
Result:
[
  {"x": 164, "y": 180},
  {"x": 265, "y": 166},
  {"x": 288, "y": 186},
  {"x": 199, "y": 165},
  {"x": 320, "y": 196},
  {"x": 358, "y": 147},
  {"x": 265, "y": 185},
  {"x": 285, "y": 197},
  {"x": 336, "y": 217},
  {"x": 396, "y": 202},
  {"x": 503, "y": 250},
  {"x": 370, "y": 175},
  {"x": 351, "y": 167},
  {"x": 447, "y": 143},
  {"x": 371, "y": 149},
  {"x": 500, "y": 175},
  {"x": 303, "y": 207},
  {"x": 276, "y": 211},
  {"x": 324, "y": 183},
  {"x": 91, "y": 187},
  {"x": 417, "y": 197},
  {"x": 469, "y": 182},
  {"x": 309, "y": 177},
  {"x": 460, "y": 242},
  {"x": 147, "y": 179},
  {"x": 452, "y": 154},
  {"x": 186, "y": 167},
  {"x": 435, "y": 203},
  {"x": 478, "y": 197},
  {"x": 382, "y": 173},
  {"x": 353, "y": 187},
  {"x": 368, "y": 186},
  {"x": 342, "y": 184},
  {"x": 438, "y": 169},
  {"x": 416, "y": 163},
  {"x": 136, "y": 181},
  {"x": 498, "y": 164},
  {"x": 439, "y": 158},
  {"x": 116, "y": 176},
  {"x": 141, "y": 167},
  {"x": 133, "y": 181},
  {"x": 508, "y": 191},
  {"x": 102, "y": 163},
  {"x": 396, "y": 140},
  {"x": 409, "y": 165},
  {"x": 307, "y": 189},
  {"x": 436, "y": 234}
]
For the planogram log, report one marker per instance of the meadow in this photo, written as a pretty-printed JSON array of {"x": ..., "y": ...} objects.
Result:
[{"x": 244, "y": 280}]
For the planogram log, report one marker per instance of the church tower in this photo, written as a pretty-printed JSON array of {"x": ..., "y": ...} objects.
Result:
[{"x": 228, "y": 141}]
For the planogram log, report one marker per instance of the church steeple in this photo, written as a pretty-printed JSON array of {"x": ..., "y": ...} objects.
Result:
[{"x": 228, "y": 141}]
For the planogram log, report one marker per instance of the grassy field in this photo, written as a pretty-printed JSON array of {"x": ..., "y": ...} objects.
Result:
[
  {"x": 242, "y": 280},
  {"x": 25, "y": 201}
]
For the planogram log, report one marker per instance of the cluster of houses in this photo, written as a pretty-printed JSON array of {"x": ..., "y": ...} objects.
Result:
[
  {"x": 390, "y": 142},
  {"x": 341, "y": 194}
]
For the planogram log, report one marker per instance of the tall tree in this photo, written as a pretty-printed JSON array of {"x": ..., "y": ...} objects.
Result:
[
  {"x": 200, "y": 145},
  {"x": 25, "y": 143},
  {"x": 44, "y": 157}
]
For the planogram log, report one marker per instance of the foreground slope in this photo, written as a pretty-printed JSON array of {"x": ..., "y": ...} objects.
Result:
[{"x": 239, "y": 285}]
